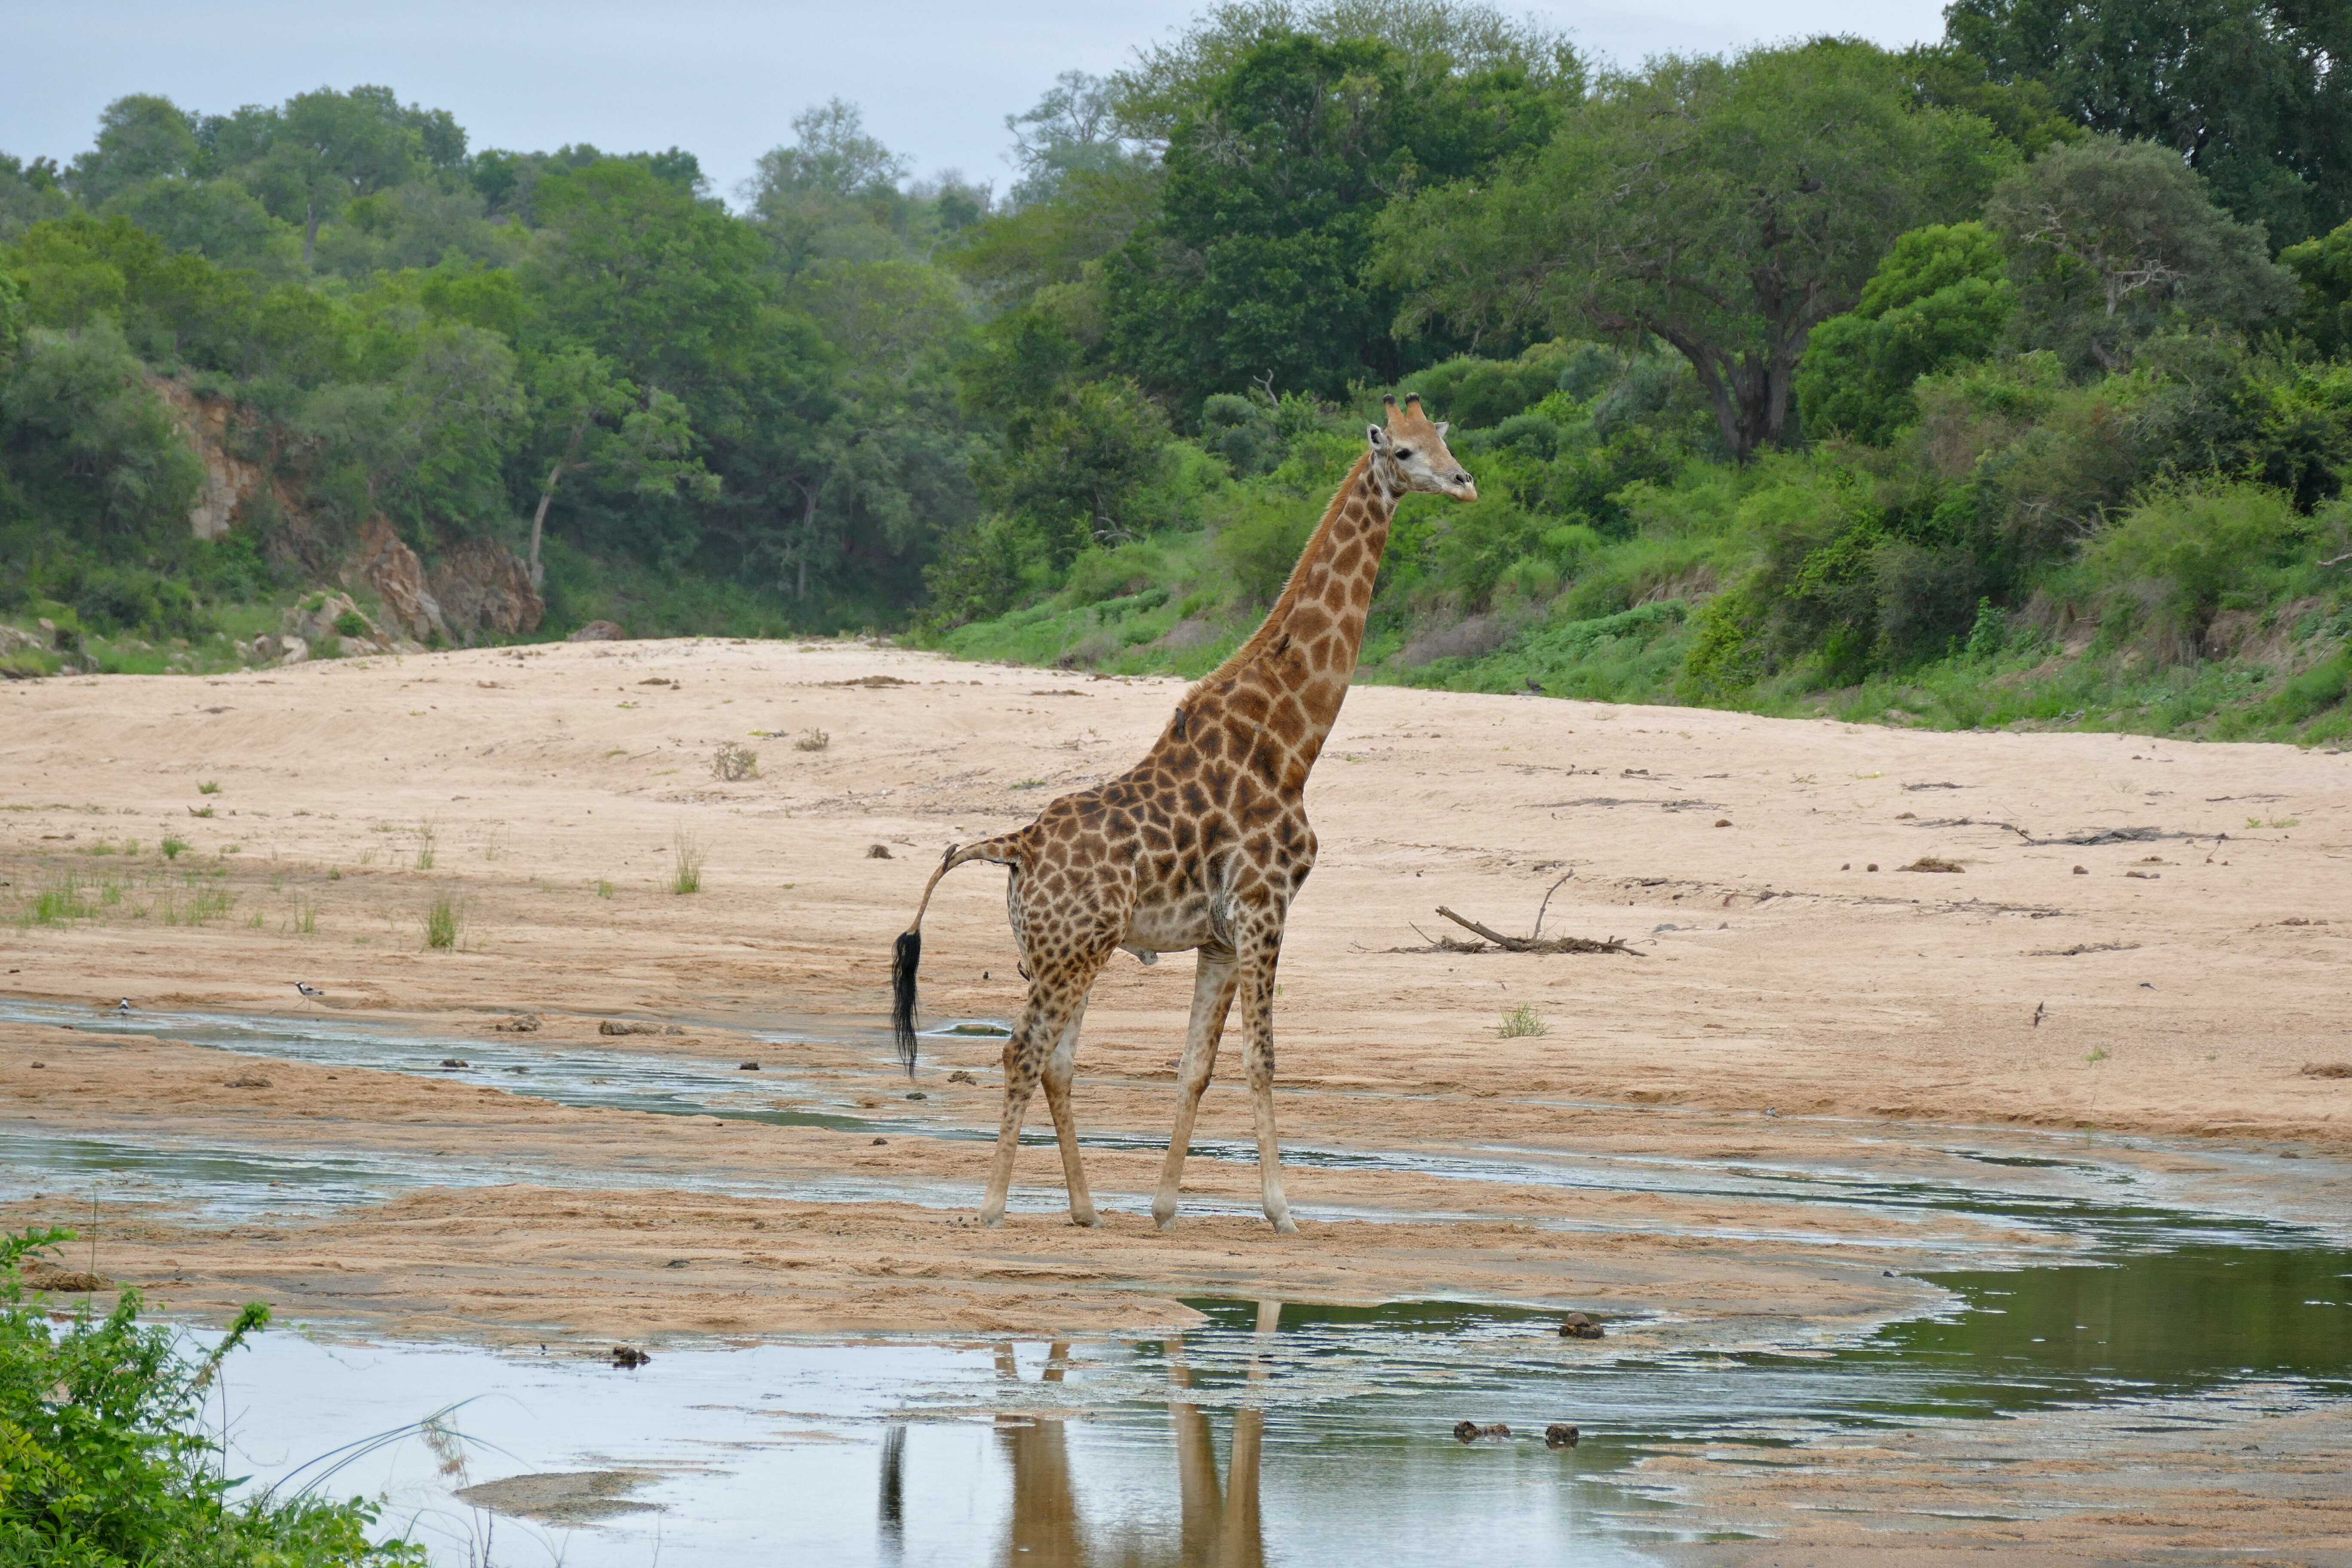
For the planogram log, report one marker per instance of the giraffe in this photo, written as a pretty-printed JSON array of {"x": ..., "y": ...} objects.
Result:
[{"x": 1202, "y": 845}]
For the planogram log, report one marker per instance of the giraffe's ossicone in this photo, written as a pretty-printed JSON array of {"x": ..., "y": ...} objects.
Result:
[{"x": 1203, "y": 844}]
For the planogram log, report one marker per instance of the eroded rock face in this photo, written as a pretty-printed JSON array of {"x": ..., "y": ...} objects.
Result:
[
  {"x": 598, "y": 631},
  {"x": 483, "y": 587},
  {"x": 229, "y": 479},
  {"x": 389, "y": 566}
]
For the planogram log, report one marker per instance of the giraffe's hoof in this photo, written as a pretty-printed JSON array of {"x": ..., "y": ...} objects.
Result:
[
  {"x": 1084, "y": 1217},
  {"x": 1286, "y": 1226},
  {"x": 991, "y": 1220},
  {"x": 1163, "y": 1225}
]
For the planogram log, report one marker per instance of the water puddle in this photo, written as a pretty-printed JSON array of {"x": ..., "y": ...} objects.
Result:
[
  {"x": 1286, "y": 1433},
  {"x": 2055, "y": 1200}
]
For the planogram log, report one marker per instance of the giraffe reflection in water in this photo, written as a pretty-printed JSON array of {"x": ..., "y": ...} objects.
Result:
[{"x": 1220, "y": 1526}]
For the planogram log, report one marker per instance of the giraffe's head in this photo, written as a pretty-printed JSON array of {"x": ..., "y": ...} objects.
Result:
[{"x": 1411, "y": 454}]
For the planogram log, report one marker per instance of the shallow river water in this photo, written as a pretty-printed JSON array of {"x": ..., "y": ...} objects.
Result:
[{"x": 1286, "y": 1433}]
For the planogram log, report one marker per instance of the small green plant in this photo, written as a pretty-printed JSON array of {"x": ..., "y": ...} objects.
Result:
[
  {"x": 604, "y": 889},
  {"x": 733, "y": 763},
  {"x": 427, "y": 837},
  {"x": 334, "y": 873},
  {"x": 1523, "y": 1020},
  {"x": 173, "y": 849},
  {"x": 812, "y": 741},
  {"x": 445, "y": 923},
  {"x": 2284, "y": 822},
  {"x": 1027, "y": 784},
  {"x": 686, "y": 856},
  {"x": 306, "y": 919},
  {"x": 64, "y": 900},
  {"x": 350, "y": 623},
  {"x": 2098, "y": 1054},
  {"x": 202, "y": 811},
  {"x": 209, "y": 786},
  {"x": 253, "y": 920},
  {"x": 101, "y": 848},
  {"x": 131, "y": 847}
]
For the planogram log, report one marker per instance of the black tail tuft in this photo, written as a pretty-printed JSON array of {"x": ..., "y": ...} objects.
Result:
[{"x": 903, "y": 962}]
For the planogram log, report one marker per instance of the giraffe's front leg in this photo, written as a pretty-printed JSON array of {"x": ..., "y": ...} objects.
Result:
[
  {"x": 1257, "y": 963},
  {"x": 1212, "y": 997}
]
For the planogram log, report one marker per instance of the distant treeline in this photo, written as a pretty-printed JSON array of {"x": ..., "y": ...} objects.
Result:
[{"x": 1880, "y": 351}]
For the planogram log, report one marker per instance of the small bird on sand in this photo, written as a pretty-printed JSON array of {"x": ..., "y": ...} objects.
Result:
[
  {"x": 123, "y": 1006},
  {"x": 308, "y": 990}
]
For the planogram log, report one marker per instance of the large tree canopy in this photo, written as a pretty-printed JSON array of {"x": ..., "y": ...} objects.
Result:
[
  {"x": 1258, "y": 263},
  {"x": 1727, "y": 206},
  {"x": 2256, "y": 95}
]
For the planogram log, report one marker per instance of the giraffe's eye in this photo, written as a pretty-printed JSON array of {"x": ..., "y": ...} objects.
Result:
[{"x": 1404, "y": 451}]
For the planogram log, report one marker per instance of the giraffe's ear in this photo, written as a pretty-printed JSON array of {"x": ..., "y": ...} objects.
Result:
[
  {"x": 1378, "y": 437},
  {"x": 1441, "y": 428}
]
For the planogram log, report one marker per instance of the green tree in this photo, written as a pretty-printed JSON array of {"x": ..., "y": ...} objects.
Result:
[
  {"x": 660, "y": 282},
  {"x": 1077, "y": 480},
  {"x": 592, "y": 420},
  {"x": 1939, "y": 300},
  {"x": 2323, "y": 266},
  {"x": 2111, "y": 241},
  {"x": 139, "y": 137},
  {"x": 2251, "y": 93},
  {"x": 325, "y": 148},
  {"x": 1727, "y": 206},
  {"x": 1259, "y": 262},
  {"x": 29, "y": 194},
  {"x": 832, "y": 194}
]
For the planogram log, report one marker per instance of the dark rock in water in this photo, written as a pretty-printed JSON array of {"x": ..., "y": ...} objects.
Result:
[
  {"x": 1559, "y": 1435},
  {"x": 1470, "y": 1431},
  {"x": 455, "y": 1062},
  {"x": 629, "y": 1356},
  {"x": 599, "y": 631},
  {"x": 521, "y": 1024},
  {"x": 1577, "y": 1326},
  {"x": 960, "y": 1076},
  {"x": 748, "y": 1067},
  {"x": 919, "y": 1094}
]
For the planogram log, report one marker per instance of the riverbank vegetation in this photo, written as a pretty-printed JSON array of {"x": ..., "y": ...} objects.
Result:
[{"x": 1996, "y": 381}]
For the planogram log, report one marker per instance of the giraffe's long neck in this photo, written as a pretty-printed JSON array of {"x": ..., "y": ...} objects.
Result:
[{"x": 1306, "y": 648}]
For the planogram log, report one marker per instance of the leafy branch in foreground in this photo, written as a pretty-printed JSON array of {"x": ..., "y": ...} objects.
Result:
[{"x": 102, "y": 1461}]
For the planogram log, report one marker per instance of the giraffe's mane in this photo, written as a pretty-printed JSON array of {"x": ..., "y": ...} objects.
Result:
[{"x": 1317, "y": 544}]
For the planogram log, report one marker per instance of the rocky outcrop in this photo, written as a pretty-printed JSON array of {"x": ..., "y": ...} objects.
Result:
[
  {"x": 229, "y": 479},
  {"x": 383, "y": 561},
  {"x": 599, "y": 631},
  {"x": 484, "y": 587}
]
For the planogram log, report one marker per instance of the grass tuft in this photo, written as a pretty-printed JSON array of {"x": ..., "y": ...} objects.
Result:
[
  {"x": 688, "y": 856},
  {"x": 173, "y": 847},
  {"x": 1523, "y": 1020},
  {"x": 209, "y": 786},
  {"x": 812, "y": 741},
  {"x": 733, "y": 763},
  {"x": 427, "y": 838},
  {"x": 604, "y": 888},
  {"x": 445, "y": 923}
]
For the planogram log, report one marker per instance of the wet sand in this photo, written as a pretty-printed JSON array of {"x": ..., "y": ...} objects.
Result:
[{"x": 1788, "y": 1003}]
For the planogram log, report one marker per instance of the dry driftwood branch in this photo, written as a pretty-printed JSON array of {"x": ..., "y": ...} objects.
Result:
[
  {"x": 1546, "y": 900},
  {"x": 1526, "y": 944}
]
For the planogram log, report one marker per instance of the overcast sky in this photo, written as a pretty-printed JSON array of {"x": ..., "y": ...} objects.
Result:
[{"x": 719, "y": 78}]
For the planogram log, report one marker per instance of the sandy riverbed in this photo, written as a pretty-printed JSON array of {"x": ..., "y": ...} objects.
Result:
[{"x": 2175, "y": 984}]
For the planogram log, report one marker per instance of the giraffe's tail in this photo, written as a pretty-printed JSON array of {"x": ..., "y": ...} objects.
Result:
[{"x": 908, "y": 953}]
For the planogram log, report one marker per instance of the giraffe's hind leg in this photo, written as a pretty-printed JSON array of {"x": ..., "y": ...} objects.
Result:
[
  {"x": 1059, "y": 1067},
  {"x": 1057, "y": 997}
]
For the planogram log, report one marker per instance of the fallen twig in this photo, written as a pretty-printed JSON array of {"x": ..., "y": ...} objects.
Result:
[{"x": 1529, "y": 944}]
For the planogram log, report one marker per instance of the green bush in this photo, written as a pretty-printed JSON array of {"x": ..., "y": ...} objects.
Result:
[
  {"x": 104, "y": 1462},
  {"x": 2189, "y": 547}
]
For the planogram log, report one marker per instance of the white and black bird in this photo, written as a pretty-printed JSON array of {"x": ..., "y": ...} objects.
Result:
[
  {"x": 308, "y": 990},
  {"x": 123, "y": 1006}
]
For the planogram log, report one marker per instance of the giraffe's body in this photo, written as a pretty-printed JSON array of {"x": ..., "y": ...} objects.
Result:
[{"x": 1203, "y": 843}]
